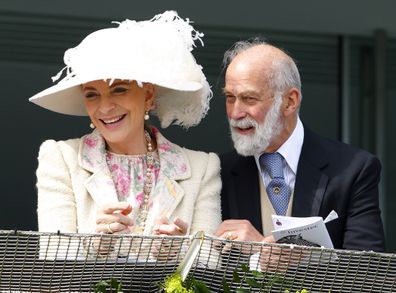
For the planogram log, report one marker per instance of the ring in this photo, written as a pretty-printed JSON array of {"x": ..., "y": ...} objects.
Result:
[
  {"x": 109, "y": 228},
  {"x": 229, "y": 235}
]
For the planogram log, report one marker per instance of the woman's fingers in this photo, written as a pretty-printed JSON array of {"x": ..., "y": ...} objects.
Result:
[
  {"x": 162, "y": 221},
  {"x": 127, "y": 210},
  {"x": 120, "y": 207},
  {"x": 114, "y": 228},
  {"x": 113, "y": 218},
  {"x": 180, "y": 225},
  {"x": 177, "y": 227}
]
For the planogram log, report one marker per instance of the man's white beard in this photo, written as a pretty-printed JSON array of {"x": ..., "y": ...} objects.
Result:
[{"x": 257, "y": 142}]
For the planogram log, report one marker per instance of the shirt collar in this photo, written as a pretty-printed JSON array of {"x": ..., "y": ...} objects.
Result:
[{"x": 291, "y": 148}]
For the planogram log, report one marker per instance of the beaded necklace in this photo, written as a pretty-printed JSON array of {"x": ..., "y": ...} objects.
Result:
[{"x": 148, "y": 182}]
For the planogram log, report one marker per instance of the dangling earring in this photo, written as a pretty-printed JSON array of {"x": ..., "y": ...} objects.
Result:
[
  {"x": 92, "y": 125},
  {"x": 146, "y": 116}
]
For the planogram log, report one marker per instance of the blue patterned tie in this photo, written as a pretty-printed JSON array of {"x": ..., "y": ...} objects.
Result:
[{"x": 278, "y": 191}]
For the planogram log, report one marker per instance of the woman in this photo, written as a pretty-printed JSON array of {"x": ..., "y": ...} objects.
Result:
[{"x": 125, "y": 177}]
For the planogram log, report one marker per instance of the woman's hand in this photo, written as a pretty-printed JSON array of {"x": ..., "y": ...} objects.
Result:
[
  {"x": 113, "y": 218},
  {"x": 166, "y": 249},
  {"x": 177, "y": 228}
]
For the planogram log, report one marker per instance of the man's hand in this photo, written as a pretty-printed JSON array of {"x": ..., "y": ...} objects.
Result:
[{"x": 241, "y": 230}]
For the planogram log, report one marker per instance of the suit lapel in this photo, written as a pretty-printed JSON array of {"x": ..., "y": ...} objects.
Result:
[
  {"x": 167, "y": 192},
  {"x": 100, "y": 186},
  {"x": 246, "y": 199},
  {"x": 92, "y": 157},
  {"x": 311, "y": 181}
]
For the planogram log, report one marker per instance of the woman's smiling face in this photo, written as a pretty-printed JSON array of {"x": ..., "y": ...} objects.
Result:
[{"x": 117, "y": 111}]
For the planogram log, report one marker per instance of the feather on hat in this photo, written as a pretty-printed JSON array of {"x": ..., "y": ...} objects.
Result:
[{"x": 156, "y": 51}]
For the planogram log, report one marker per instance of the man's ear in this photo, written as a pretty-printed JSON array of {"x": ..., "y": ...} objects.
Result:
[
  {"x": 292, "y": 100},
  {"x": 149, "y": 91}
]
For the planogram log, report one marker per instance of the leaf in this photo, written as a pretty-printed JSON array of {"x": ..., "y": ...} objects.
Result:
[
  {"x": 242, "y": 290},
  {"x": 235, "y": 276},
  {"x": 200, "y": 287},
  {"x": 114, "y": 283},
  {"x": 253, "y": 283},
  {"x": 189, "y": 282},
  {"x": 275, "y": 279},
  {"x": 245, "y": 268},
  {"x": 226, "y": 287},
  {"x": 257, "y": 274},
  {"x": 101, "y": 286}
]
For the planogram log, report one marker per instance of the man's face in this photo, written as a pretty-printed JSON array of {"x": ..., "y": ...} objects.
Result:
[{"x": 254, "y": 113}]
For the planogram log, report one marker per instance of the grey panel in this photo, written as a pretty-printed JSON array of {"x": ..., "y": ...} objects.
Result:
[
  {"x": 391, "y": 65},
  {"x": 40, "y": 38}
]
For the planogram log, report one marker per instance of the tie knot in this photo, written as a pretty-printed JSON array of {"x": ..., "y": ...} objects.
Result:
[{"x": 272, "y": 163}]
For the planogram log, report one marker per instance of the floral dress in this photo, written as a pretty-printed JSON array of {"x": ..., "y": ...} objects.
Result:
[
  {"x": 124, "y": 176},
  {"x": 129, "y": 176}
]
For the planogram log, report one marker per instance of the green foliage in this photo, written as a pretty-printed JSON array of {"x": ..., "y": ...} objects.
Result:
[
  {"x": 226, "y": 287},
  {"x": 102, "y": 286},
  {"x": 199, "y": 287},
  {"x": 174, "y": 284},
  {"x": 254, "y": 279},
  {"x": 242, "y": 276}
]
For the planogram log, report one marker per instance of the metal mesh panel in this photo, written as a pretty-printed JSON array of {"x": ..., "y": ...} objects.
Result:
[{"x": 50, "y": 262}]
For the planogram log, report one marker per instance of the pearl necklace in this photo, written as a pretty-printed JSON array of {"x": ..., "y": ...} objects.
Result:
[{"x": 148, "y": 183}]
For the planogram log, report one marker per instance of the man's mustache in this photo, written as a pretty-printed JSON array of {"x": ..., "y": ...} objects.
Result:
[{"x": 243, "y": 123}]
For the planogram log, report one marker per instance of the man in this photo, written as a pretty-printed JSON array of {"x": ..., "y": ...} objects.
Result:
[{"x": 263, "y": 97}]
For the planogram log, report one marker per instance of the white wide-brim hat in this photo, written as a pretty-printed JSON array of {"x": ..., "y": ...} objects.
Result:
[{"x": 156, "y": 51}]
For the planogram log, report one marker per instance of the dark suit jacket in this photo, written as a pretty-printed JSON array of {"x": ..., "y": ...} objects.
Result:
[{"x": 330, "y": 176}]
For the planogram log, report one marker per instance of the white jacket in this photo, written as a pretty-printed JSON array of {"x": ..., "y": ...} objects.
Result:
[{"x": 71, "y": 188}]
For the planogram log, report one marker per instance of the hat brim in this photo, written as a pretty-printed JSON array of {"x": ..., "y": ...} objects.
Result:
[{"x": 67, "y": 97}]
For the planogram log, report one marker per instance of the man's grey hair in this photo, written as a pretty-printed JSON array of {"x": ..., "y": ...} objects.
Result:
[{"x": 283, "y": 74}]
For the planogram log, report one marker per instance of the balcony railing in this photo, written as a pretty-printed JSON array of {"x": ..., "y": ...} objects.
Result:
[{"x": 59, "y": 262}]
